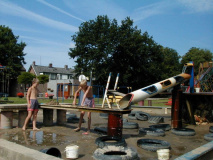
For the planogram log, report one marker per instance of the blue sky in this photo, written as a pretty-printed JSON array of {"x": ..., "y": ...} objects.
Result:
[{"x": 46, "y": 26}]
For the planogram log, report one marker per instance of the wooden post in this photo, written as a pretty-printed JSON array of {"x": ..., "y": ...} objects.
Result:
[
  {"x": 6, "y": 119},
  {"x": 115, "y": 125},
  {"x": 22, "y": 114},
  {"x": 61, "y": 116},
  {"x": 177, "y": 107},
  {"x": 47, "y": 117}
]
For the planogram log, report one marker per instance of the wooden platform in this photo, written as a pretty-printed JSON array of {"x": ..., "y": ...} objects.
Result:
[{"x": 87, "y": 109}]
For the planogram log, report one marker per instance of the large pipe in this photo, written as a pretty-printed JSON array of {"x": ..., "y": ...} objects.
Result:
[{"x": 149, "y": 91}]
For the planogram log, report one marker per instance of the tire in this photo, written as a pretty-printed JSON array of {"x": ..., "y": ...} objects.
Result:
[
  {"x": 102, "y": 141},
  {"x": 115, "y": 153},
  {"x": 125, "y": 120},
  {"x": 165, "y": 127},
  {"x": 151, "y": 132},
  {"x": 183, "y": 131},
  {"x": 153, "y": 144},
  {"x": 141, "y": 116},
  {"x": 208, "y": 137},
  {"x": 74, "y": 120},
  {"x": 132, "y": 115},
  {"x": 211, "y": 129},
  {"x": 130, "y": 125},
  {"x": 71, "y": 115}
]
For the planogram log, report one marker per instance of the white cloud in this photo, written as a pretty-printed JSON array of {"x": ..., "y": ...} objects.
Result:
[
  {"x": 197, "y": 6},
  {"x": 144, "y": 12},
  {"x": 58, "y": 9},
  {"x": 15, "y": 10}
]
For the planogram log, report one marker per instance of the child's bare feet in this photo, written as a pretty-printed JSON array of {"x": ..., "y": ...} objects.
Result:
[
  {"x": 36, "y": 129},
  {"x": 77, "y": 129},
  {"x": 23, "y": 129},
  {"x": 86, "y": 133}
]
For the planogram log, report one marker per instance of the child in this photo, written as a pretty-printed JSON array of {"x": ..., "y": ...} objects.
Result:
[
  {"x": 87, "y": 100},
  {"x": 32, "y": 104}
]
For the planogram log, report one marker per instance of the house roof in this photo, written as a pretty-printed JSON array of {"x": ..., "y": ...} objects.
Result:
[{"x": 49, "y": 69}]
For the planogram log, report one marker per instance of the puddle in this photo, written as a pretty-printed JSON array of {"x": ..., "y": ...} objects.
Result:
[{"x": 38, "y": 138}]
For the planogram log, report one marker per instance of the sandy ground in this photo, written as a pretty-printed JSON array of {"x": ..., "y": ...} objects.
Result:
[{"x": 62, "y": 136}]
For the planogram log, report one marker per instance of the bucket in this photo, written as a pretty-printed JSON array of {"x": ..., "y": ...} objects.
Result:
[
  {"x": 52, "y": 151},
  {"x": 197, "y": 90},
  {"x": 72, "y": 151},
  {"x": 163, "y": 154}
]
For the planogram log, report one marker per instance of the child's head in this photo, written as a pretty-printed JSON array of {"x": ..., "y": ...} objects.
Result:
[{"x": 83, "y": 83}]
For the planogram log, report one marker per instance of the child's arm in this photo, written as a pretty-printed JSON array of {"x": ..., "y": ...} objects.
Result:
[
  {"x": 28, "y": 97},
  {"x": 75, "y": 96},
  {"x": 85, "y": 95}
]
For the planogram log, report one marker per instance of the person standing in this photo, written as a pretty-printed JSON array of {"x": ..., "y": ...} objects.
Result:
[
  {"x": 32, "y": 104},
  {"x": 87, "y": 100}
]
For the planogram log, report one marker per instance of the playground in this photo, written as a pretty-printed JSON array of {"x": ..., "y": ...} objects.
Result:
[{"x": 124, "y": 124}]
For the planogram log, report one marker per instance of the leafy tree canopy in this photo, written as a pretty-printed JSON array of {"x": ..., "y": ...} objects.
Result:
[
  {"x": 198, "y": 56},
  {"x": 11, "y": 52},
  {"x": 171, "y": 63},
  {"x": 43, "y": 79},
  {"x": 25, "y": 78},
  {"x": 103, "y": 46}
]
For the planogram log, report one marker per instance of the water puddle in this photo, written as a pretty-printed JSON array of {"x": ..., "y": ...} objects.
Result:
[{"x": 37, "y": 138}]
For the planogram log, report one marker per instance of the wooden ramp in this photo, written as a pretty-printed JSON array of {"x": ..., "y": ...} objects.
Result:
[{"x": 87, "y": 109}]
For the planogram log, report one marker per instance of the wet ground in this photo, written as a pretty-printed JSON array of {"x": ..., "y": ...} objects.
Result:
[{"x": 62, "y": 136}]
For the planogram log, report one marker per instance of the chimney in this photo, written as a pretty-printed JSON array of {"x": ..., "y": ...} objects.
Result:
[
  {"x": 50, "y": 65},
  {"x": 66, "y": 67},
  {"x": 34, "y": 63}
]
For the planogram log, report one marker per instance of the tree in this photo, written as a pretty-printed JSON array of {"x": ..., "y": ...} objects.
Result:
[
  {"x": 103, "y": 46},
  {"x": 171, "y": 63},
  {"x": 198, "y": 56},
  {"x": 11, "y": 56},
  {"x": 26, "y": 78},
  {"x": 11, "y": 52}
]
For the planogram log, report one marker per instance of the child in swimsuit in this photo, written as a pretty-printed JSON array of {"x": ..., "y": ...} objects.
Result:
[
  {"x": 32, "y": 104},
  {"x": 87, "y": 100}
]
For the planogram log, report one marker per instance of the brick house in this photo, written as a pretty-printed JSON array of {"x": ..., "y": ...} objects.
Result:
[{"x": 60, "y": 80}]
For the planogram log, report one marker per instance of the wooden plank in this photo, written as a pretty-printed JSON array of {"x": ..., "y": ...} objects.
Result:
[{"x": 95, "y": 109}]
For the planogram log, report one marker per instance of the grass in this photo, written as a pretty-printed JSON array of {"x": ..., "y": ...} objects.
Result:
[{"x": 17, "y": 100}]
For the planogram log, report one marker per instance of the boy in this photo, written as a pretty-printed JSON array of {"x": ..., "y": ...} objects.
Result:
[
  {"x": 87, "y": 100},
  {"x": 32, "y": 104}
]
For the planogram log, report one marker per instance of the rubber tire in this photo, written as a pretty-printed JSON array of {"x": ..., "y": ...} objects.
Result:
[
  {"x": 130, "y": 125},
  {"x": 151, "y": 132},
  {"x": 183, "y": 131},
  {"x": 102, "y": 141},
  {"x": 141, "y": 116},
  {"x": 132, "y": 115},
  {"x": 208, "y": 137},
  {"x": 101, "y": 153},
  {"x": 153, "y": 144},
  {"x": 165, "y": 127},
  {"x": 211, "y": 129}
]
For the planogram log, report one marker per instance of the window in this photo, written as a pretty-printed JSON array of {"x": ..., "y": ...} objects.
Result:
[
  {"x": 53, "y": 76},
  {"x": 166, "y": 83},
  {"x": 150, "y": 90},
  {"x": 64, "y": 76}
]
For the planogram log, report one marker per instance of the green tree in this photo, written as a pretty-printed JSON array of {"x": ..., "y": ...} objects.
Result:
[
  {"x": 26, "y": 78},
  {"x": 171, "y": 63},
  {"x": 198, "y": 56},
  {"x": 11, "y": 52},
  {"x": 104, "y": 46}
]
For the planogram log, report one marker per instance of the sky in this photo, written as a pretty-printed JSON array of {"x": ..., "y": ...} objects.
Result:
[{"x": 46, "y": 26}]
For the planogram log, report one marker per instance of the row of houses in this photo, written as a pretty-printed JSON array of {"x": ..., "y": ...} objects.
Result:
[{"x": 61, "y": 80}]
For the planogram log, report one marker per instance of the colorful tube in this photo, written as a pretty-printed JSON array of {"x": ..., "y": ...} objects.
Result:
[
  {"x": 105, "y": 94},
  {"x": 152, "y": 90}
]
